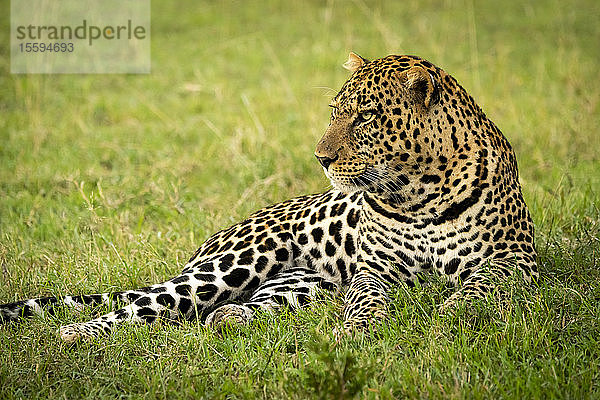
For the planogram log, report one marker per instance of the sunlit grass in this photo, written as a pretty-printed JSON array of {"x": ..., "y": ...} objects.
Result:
[{"x": 111, "y": 182}]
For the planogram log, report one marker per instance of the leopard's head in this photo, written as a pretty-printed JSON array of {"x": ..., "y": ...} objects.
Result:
[
  {"x": 380, "y": 124},
  {"x": 404, "y": 129}
]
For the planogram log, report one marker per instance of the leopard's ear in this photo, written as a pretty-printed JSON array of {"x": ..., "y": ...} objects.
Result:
[
  {"x": 422, "y": 84},
  {"x": 354, "y": 62}
]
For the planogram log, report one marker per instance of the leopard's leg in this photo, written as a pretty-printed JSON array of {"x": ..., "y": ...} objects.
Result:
[
  {"x": 182, "y": 297},
  {"x": 162, "y": 301},
  {"x": 366, "y": 300},
  {"x": 201, "y": 285},
  {"x": 293, "y": 288},
  {"x": 489, "y": 278}
]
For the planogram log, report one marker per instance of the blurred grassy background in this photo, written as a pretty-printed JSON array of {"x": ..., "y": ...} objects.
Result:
[{"x": 112, "y": 181}]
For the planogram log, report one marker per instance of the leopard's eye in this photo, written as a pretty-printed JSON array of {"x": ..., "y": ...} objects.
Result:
[{"x": 365, "y": 117}]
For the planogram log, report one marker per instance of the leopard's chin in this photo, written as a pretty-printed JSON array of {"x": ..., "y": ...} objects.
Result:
[{"x": 347, "y": 188}]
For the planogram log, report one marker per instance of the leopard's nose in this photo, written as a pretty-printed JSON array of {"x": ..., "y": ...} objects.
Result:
[{"x": 326, "y": 161}]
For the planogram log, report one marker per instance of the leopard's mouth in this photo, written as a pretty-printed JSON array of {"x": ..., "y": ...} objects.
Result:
[
  {"x": 378, "y": 180},
  {"x": 347, "y": 183}
]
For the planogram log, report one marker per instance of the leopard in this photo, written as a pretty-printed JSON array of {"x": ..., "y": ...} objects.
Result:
[{"x": 422, "y": 182}]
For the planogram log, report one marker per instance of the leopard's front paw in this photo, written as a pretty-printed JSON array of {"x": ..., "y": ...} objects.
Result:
[
  {"x": 448, "y": 307},
  {"x": 461, "y": 304},
  {"x": 353, "y": 326},
  {"x": 349, "y": 329}
]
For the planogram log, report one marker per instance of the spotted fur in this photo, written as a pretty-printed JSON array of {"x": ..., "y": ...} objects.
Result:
[{"x": 423, "y": 182}]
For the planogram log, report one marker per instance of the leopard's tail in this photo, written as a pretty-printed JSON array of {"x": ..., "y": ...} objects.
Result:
[{"x": 27, "y": 308}]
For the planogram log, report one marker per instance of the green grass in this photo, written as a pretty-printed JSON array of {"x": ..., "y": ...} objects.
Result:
[{"x": 111, "y": 182}]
